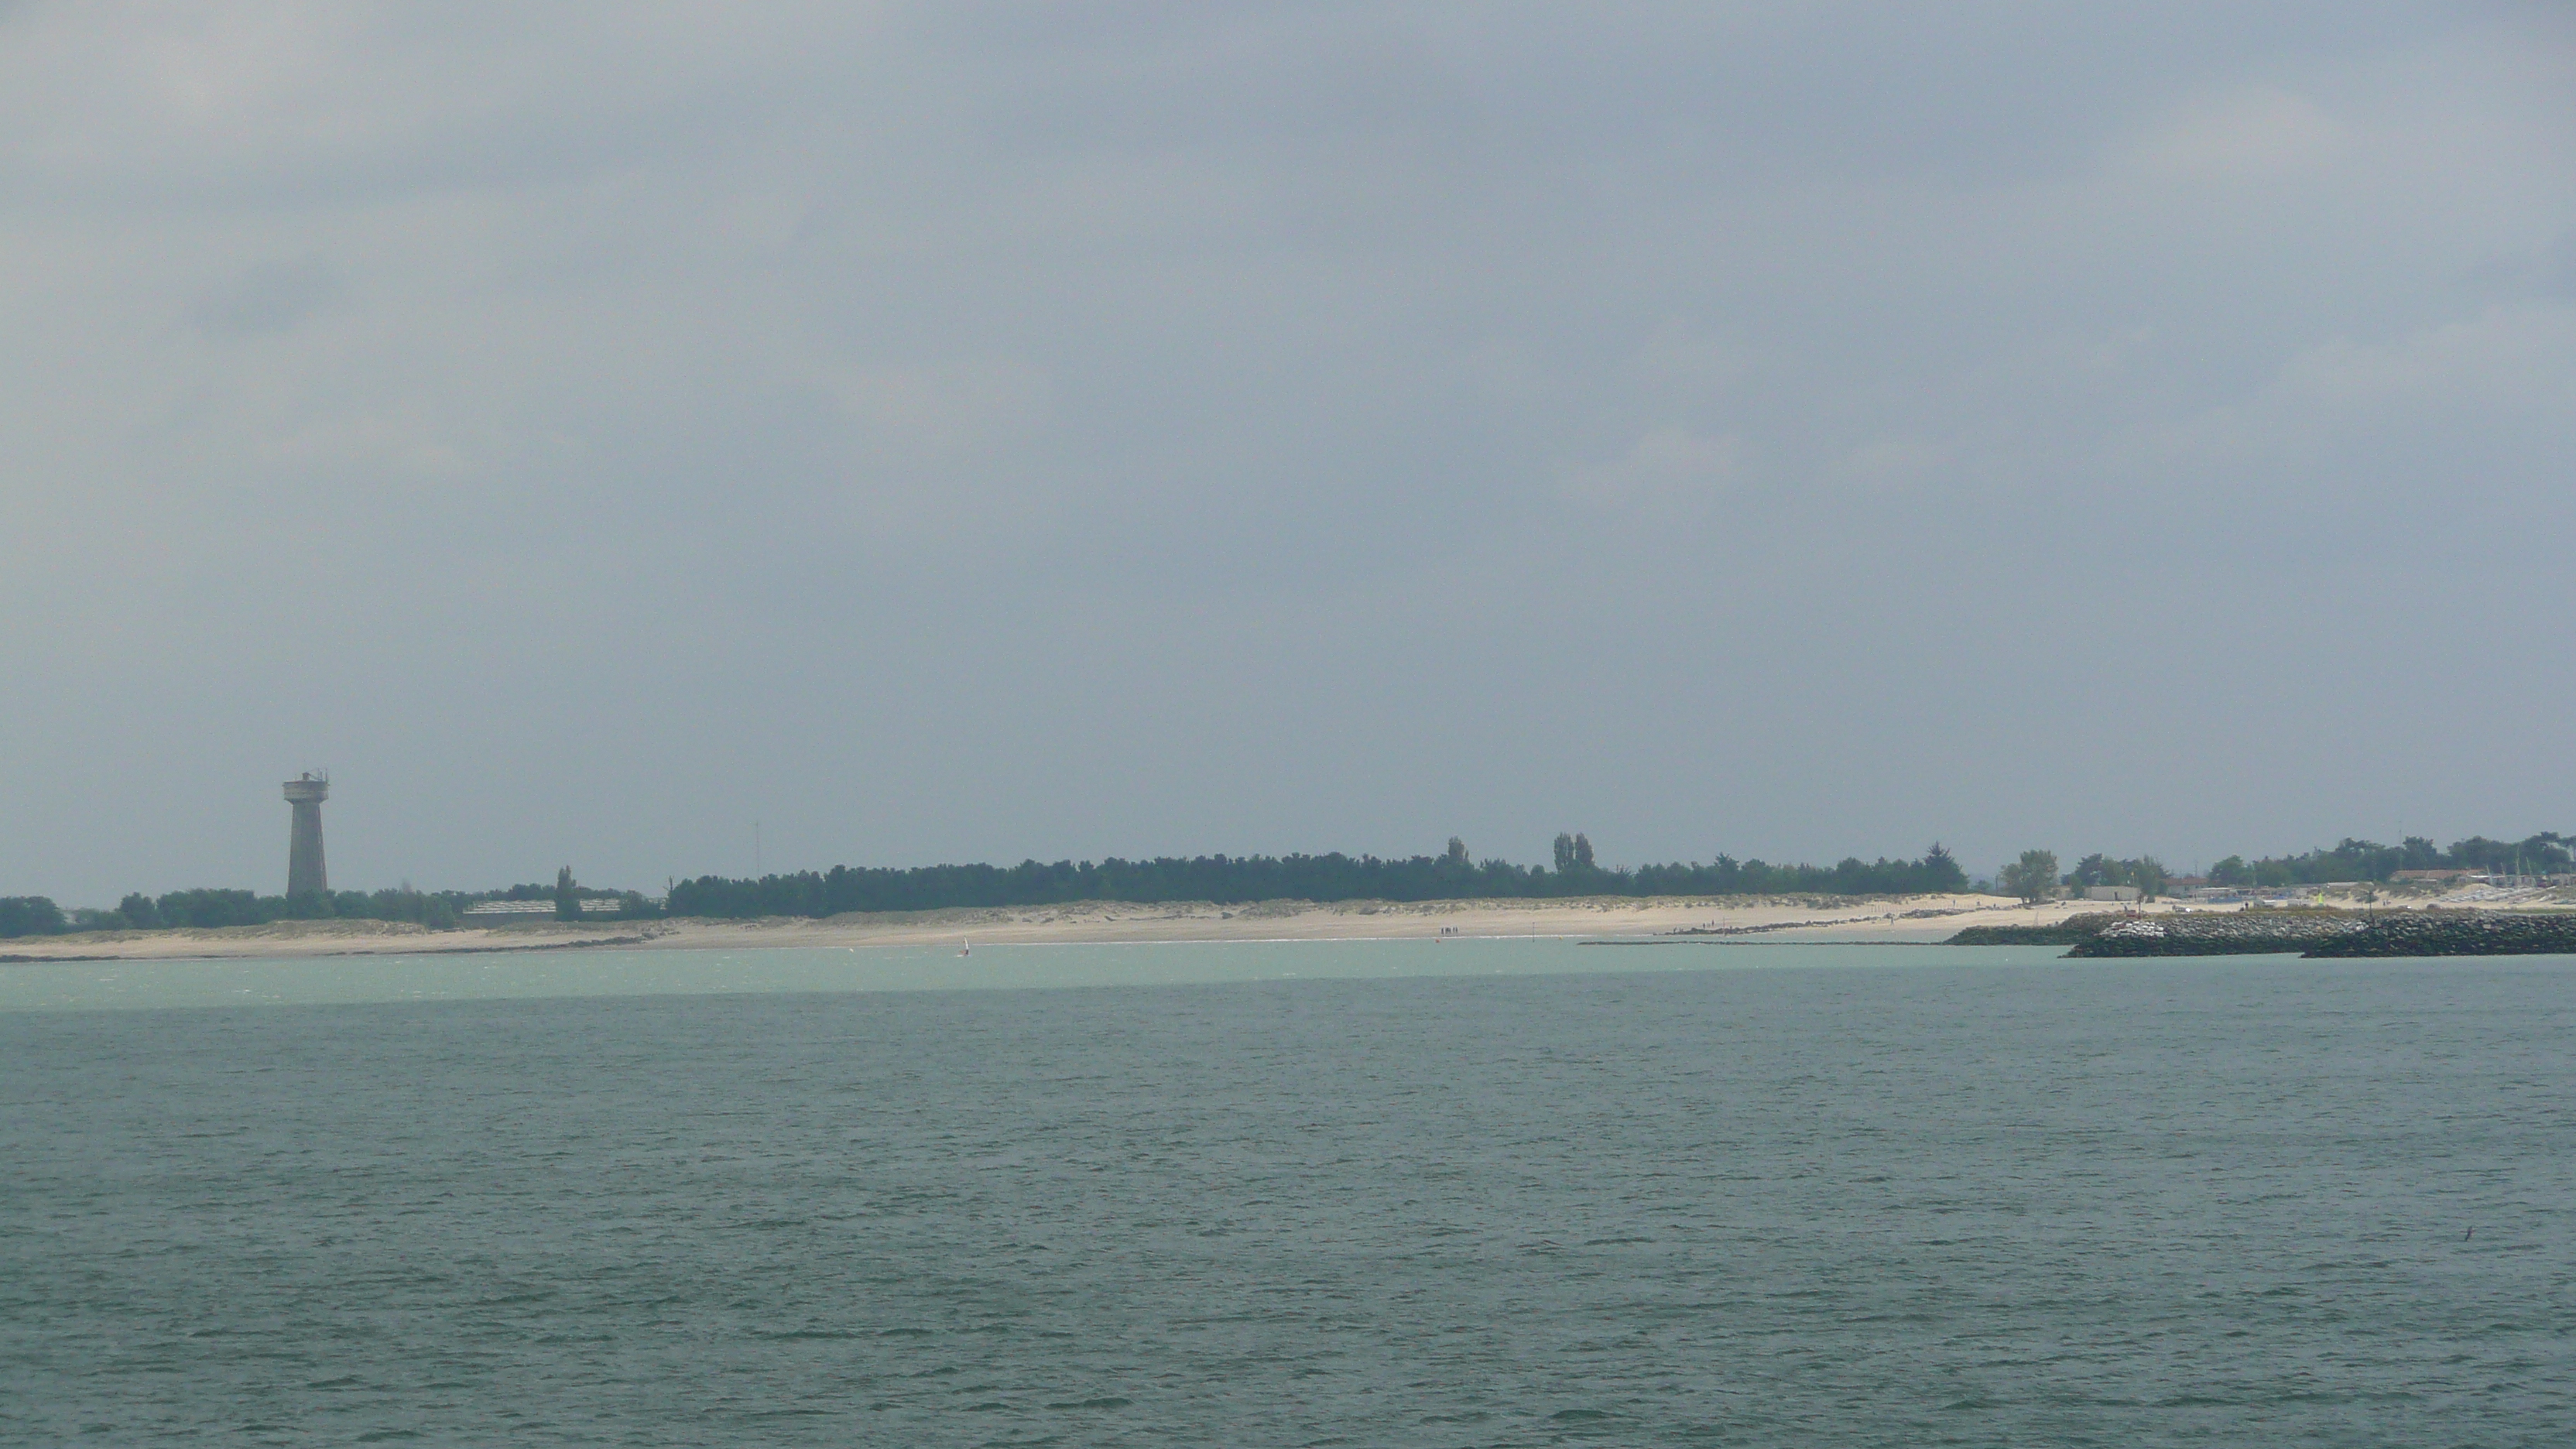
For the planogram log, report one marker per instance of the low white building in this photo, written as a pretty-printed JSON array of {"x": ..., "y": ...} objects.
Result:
[{"x": 521, "y": 910}]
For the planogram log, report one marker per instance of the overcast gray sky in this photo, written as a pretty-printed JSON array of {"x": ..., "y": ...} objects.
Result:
[{"x": 963, "y": 432}]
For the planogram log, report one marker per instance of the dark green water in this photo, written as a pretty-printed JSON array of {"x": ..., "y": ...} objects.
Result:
[{"x": 1972, "y": 1198}]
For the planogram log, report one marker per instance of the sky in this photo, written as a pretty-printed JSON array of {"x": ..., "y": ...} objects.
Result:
[{"x": 679, "y": 439}]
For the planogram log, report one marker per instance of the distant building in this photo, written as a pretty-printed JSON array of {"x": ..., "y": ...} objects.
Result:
[
  {"x": 2110, "y": 893},
  {"x": 522, "y": 910}
]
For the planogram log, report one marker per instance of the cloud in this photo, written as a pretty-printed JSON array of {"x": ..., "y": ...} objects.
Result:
[
  {"x": 1379, "y": 392},
  {"x": 2251, "y": 135},
  {"x": 1892, "y": 462},
  {"x": 1669, "y": 473},
  {"x": 267, "y": 297},
  {"x": 2504, "y": 359},
  {"x": 934, "y": 413},
  {"x": 245, "y": 104}
]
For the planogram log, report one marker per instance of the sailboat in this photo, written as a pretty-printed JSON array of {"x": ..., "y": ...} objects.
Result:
[{"x": 966, "y": 949}]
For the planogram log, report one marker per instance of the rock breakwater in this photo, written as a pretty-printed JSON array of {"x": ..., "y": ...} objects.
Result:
[
  {"x": 2456, "y": 933},
  {"x": 2235, "y": 933},
  {"x": 2071, "y": 931},
  {"x": 2315, "y": 934}
]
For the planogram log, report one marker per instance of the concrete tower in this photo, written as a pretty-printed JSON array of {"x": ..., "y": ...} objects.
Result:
[{"x": 304, "y": 848}]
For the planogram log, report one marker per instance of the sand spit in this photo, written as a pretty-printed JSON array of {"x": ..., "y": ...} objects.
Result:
[
  {"x": 1709, "y": 920},
  {"x": 316, "y": 938},
  {"x": 1718, "y": 921}
]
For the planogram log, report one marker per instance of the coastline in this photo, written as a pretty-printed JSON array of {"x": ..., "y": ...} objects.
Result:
[{"x": 1894, "y": 920}]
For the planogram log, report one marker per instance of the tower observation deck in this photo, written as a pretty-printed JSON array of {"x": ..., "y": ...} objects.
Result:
[{"x": 304, "y": 872}]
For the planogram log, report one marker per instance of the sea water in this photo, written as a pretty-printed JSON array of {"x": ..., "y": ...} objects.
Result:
[{"x": 1477, "y": 1193}]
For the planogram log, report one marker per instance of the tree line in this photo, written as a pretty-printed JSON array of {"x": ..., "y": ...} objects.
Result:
[
  {"x": 2547, "y": 853},
  {"x": 1242, "y": 879},
  {"x": 1237, "y": 880},
  {"x": 205, "y": 909},
  {"x": 1221, "y": 879},
  {"x": 2034, "y": 876}
]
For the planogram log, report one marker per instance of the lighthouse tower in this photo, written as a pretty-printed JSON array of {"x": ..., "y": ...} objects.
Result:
[{"x": 304, "y": 872}]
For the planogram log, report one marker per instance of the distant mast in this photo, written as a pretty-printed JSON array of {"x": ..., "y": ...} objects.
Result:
[{"x": 304, "y": 872}]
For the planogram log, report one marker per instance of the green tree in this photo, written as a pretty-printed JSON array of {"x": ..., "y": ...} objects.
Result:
[
  {"x": 2479, "y": 853},
  {"x": 2148, "y": 874},
  {"x": 1457, "y": 851},
  {"x": 1564, "y": 852},
  {"x": 2096, "y": 869},
  {"x": 2033, "y": 877},
  {"x": 138, "y": 911},
  {"x": 567, "y": 896},
  {"x": 1583, "y": 851},
  {"x": 30, "y": 916}
]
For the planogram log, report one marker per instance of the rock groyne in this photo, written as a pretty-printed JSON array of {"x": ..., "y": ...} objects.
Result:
[
  {"x": 2311, "y": 933},
  {"x": 2455, "y": 933},
  {"x": 2234, "y": 933},
  {"x": 2071, "y": 931}
]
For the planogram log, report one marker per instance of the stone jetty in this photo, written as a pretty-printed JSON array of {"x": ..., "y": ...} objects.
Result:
[
  {"x": 2457, "y": 933},
  {"x": 2067, "y": 932},
  {"x": 2233, "y": 933},
  {"x": 2312, "y": 933}
]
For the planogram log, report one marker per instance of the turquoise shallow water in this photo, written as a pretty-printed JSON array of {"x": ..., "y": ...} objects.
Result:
[
  {"x": 1358, "y": 1193},
  {"x": 313, "y": 981}
]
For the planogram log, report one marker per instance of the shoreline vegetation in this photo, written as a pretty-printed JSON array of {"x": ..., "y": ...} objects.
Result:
[
  {"x": 1678, "y": 922},
  {"x": 1320, "y": 879},
  {"x": 1326, "y": 896},
  {"x": 208, "y": 910},
  {"x": 1221, "y": 880},
  {"x": 1919, "y": 920}
]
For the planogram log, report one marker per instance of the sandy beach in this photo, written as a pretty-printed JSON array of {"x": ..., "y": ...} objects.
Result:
[{"x": 1733, "y": 919}]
